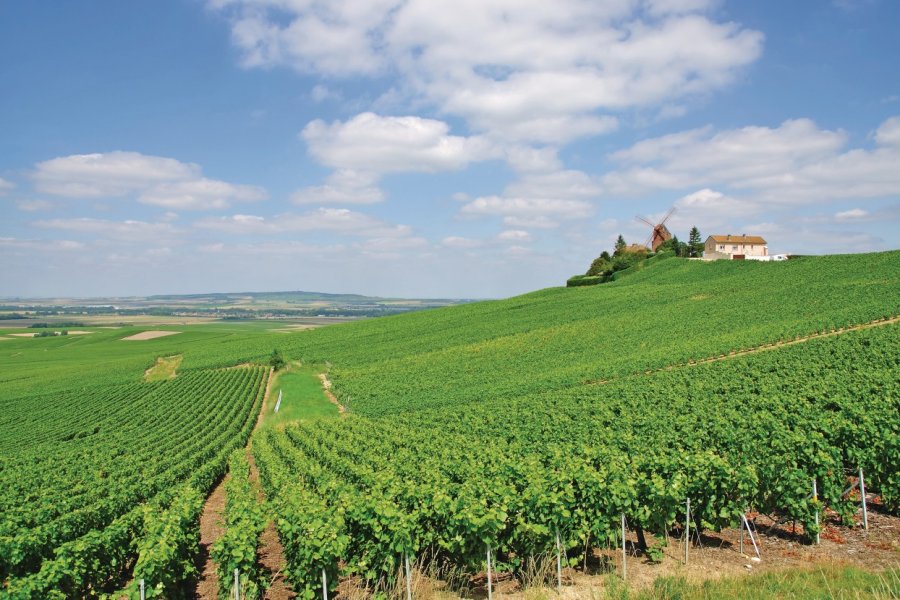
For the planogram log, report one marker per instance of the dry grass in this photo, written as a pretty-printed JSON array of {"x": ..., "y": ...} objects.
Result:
[
  {"x": 165, "y": 368},
  {"x": 149, "y": 335}
]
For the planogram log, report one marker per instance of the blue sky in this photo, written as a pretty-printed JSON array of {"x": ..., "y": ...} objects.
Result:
[{"x": 475, "y": 148}]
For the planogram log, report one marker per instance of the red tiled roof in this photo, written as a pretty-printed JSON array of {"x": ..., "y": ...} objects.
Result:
[{"x": 736, "y": 239}]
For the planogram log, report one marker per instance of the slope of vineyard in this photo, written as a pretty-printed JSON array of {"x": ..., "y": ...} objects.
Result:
[
  {"x": 76, "y": 467},
  {"x": 672, "y": 312},
  {"x": 505, "y": 424},
  {"x": 494, "y": 424}
]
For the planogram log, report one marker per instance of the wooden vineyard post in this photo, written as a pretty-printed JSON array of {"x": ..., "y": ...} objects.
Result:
[
  {"x": 862, "y": 493},
  {"x": 558, "y": 562},
  {"x": 237, "y": 585},
  {"x": 490, "y": 591},
  {"x": 408, "y": 578},
  {"x": 815, "y": 496},
  {"x": 687, "y": 528},
  {"x": 324, "y": 585},
  {"x": 624, "y": 557}
]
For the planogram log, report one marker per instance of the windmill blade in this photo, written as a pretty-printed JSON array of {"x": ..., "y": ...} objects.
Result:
[
  {"x": 639, "y": 218},
  {"x": 668, "y": 214},
  {"x": 649, "y": 242}
]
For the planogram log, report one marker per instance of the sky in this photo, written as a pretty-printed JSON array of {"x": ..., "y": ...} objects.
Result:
[{"x": 425, "y": 148}]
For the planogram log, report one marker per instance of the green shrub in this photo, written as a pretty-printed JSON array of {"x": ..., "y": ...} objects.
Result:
[{"x": 579, "y": 280}]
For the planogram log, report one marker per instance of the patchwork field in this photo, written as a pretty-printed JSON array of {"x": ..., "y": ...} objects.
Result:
[{"x": 515, "y": 428}]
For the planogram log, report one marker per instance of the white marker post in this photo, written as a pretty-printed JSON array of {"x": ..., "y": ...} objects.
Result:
[
  {"x": 624, "y": 557},
  {"x": 490, "y": 591},
  {"x": 687, "y": 528},
  {"x": 408, "y": 577},
  {"x": 558, "y": 562},
  {"x": 816, "y": 499},
  {"x": 324, "y": 585},
  {"x": 237, "y": 585},
  {"x": 278, "y": 403},
  {"x": 143, "y": 596},
  {"x": 862, "y": 493},
  {"x": 749, "y": 531}
]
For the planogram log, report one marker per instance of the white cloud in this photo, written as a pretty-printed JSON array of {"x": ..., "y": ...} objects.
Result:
[
  {"x": 51, "y": 246},
  {"x": 110, "y": 174},
  {"x": 711, "y": 208},
  {"x": 5, "y": 186},
  {"x": 854, "y": 214},
  {"x": 461, "y": 242},
  {"x": 538, "y": 72},
  {"x": 153, "y": 180},
  {"x": 795, "y": 163},
  {"x": 129, "y": 231},
  {"x": 379, "y": 144},
  {"x": 368, "y": 146},
  {"x": 514, "y": 235},
  {"x": 33, "y": 205},
  {"x": 888, "y": 134},
  {"x": 200, "y": 194},
  {"x": 334, "y": 220},
  {"x": 342, "y": 187},
  {"x": 529, "y": 212}
]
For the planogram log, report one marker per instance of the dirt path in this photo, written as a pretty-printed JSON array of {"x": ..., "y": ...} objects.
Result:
[
  {"x": 764, "y": 347},
  {"x": 326, "y": 385},
  {"x": 271, "y": 552},
  {"x": 211, "y": 529}
]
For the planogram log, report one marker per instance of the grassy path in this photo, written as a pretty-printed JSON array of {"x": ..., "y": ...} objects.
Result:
[
  {"x": 305, "y": 395},
  {"x": 765, "y": 347}
]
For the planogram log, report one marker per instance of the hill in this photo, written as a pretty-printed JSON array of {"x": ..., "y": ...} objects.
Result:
[{"x": 523, "y": 425}]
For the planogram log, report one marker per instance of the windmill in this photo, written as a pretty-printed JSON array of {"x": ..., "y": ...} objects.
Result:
[{"x": 660, "y": 232}]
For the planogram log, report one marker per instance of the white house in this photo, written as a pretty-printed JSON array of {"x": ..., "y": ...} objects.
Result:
[{"x": 734, "y": 247}]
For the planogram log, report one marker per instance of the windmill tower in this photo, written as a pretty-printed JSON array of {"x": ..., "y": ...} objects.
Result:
[{"x": 660, "y": 232}]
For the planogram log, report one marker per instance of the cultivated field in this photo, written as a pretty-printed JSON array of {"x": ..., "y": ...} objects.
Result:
[{"x": 520, "y": 428}]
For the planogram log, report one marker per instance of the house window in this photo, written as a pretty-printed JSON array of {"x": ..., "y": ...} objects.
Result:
[
  {"x": 734, "y": 248},
  {"x": 721, "y": 246}
]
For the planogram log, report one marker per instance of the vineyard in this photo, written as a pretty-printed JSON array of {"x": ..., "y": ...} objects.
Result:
[
  {"x": 512, "y": 428},
  {"x": 79, "y": 470},
  {"x": 747, "y": 433}
]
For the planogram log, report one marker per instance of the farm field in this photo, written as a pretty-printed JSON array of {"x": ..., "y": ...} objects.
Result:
[{"x": 519, "y": 427}]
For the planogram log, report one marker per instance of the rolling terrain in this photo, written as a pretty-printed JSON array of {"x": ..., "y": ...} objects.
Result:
[{"x": 515, "y": 427}]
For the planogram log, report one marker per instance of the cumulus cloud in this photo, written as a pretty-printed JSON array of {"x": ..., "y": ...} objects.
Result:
[
  {"x": 200, "y": 194},
  {"x": 854, "y": 214},
  {"x": 888, "y": 134},
  {"x": 378, "y": 144},
  {"x": 364, "y": 148},
  {"x": 333, "y": 220},
  {"x": 794, "y": 163},
  {"x": 528, "y": 212},
  {"x": 342, "y": 187},
  {"x": 130, "y": 231},
  {"x": 33, "y": 205},
  {"x": 31, "y": 245},
  {"x": 153, "y": 180},
  {"x": 711, "y": 208},
  {"x": 540, "y": 72},
  {"x": 514, "y": 235},
  {"x": 5, "y": 186}
]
